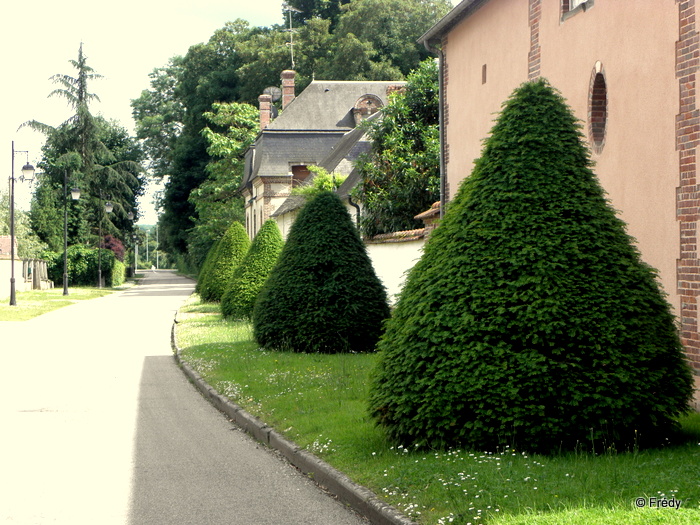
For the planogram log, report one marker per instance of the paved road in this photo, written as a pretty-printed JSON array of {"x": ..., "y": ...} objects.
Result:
[{"x": 99, "y": 426}]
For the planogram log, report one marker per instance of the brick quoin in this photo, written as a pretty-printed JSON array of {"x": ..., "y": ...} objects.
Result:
[
  {"x": 688, "y": 192},
  {"x": 534, "y": 55},
  {"x": 445, "y": 113}
]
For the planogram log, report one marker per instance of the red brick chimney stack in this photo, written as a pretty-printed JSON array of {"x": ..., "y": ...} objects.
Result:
[
  {"x": 287, "y": 87},
  {"x": 265, "y": 103}
]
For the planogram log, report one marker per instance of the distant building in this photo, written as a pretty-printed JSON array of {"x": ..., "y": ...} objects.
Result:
[{"x": 317, "y": 128}]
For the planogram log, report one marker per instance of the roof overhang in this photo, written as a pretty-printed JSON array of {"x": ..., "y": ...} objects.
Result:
[{"x": 433, "y": 37}]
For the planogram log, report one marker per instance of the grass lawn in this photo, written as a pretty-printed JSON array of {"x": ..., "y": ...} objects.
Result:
[
  {"x": 37, "y": 302},
  {"x": 319, "y": 401}
]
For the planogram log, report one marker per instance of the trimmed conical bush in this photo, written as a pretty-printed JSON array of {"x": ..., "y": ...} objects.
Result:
[
  {"x": 204, "y": 270},
  {"x": 229, "y": 251},
  {"x": 530, "y": 320},
  {"x": 323, "y": 294},
  {"x": 239, "y": 298}
]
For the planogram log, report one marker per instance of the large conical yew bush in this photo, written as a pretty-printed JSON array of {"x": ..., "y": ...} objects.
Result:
[
  {"x": 244, "y": 286},
  {"x": 530, "y": 320},
  {"x": 219, "y": 269},
  {"x": 323, "y": 294}
]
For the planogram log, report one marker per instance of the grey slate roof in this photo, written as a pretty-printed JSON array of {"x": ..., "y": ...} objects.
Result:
[
  {"x": 327, "y": 105},
  {"x": 313, "y": 129}
]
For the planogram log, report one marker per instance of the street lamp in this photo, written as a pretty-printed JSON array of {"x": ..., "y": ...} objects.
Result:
[
  {"x": 75, "y": 195},
  {"x": 27, "y": 174},
  {"x": 108, "y": 207},
  {"x": 136, "y": 253}
]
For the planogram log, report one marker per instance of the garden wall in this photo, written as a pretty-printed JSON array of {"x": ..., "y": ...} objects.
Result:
[{"x": 393, "y": 255}]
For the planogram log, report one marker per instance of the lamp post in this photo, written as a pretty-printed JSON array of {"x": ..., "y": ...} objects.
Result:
[
  {"x": 27, "y": 174},
  {"x": 75, "y": 195},
  {"x": 131, "y": 217},
  {"x": 108, "y": 207},
  {"x": 136, "y": 254}
]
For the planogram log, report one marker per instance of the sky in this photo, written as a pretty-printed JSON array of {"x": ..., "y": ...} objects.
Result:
[{"x": 122, "y": 41}]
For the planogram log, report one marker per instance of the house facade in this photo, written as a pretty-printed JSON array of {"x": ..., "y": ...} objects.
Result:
[
  {"x": 629, "y": 71},
  {"x": 317, "y": 128}
]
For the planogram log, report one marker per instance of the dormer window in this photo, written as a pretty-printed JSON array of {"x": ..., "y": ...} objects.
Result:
[
  {"x": 300, "y": 172},
  {"x": 365, "y": 106}
]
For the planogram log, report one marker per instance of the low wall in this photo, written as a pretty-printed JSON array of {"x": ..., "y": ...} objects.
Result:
[
  {"x": 30, "y": 274},
  {"x": 392, "y": 257}
]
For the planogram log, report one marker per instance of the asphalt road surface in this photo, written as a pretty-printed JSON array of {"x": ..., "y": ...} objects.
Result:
[{"x": 99, "y": 426}]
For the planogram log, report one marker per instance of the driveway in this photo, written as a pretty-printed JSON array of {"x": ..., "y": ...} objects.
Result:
[{"x": 99, "y": 426}]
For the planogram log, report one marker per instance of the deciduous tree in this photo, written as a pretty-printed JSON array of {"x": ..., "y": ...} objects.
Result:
[{"x": 401, "y": 175}]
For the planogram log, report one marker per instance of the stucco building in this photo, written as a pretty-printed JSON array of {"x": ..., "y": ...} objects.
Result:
[{"x": 629, "y": 72}]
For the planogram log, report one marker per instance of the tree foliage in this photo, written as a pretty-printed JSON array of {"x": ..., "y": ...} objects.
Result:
[
  {"x": 401, "y": 175},
  {"x": 116, "y": 177},
  {"x": 159, "y": 117},
  {"x": 321, "y": 181},
  {"x": 94, "y": 154},
  {"x": 306, "y": 10},
  {"x": 229, "y": 251},
  {"x": 323, "y": 294},
  {"x": 530, "y": 320},
  {"x": 29, "y": 245},
  {"x": 238, "y": 63},
  {"x": 243, "y": 288},
  {"x": 392, "y": 28},
  {"x": 216, "y": 200}
]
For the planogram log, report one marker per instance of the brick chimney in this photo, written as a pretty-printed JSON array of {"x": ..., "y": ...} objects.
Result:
[
  {"x": 287, "y": 87},
  {"x": 265, "y": 102}
]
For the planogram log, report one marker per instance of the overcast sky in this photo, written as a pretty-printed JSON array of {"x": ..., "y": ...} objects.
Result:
[{"x": 123, "y": 41}]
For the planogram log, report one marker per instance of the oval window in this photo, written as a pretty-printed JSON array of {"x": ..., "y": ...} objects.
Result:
[{"x": 598, "y": 111}]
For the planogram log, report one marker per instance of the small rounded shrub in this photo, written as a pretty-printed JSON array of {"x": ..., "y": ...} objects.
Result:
[
  {"x": 323, "y": 294},
  {"x": 530, "y": 320},
  {"x": 239, "y": 298},
  {"x": 229, "y": 252}
]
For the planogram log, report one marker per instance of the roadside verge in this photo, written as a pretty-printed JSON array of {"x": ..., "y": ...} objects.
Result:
[{"x": 359, "y": 498}]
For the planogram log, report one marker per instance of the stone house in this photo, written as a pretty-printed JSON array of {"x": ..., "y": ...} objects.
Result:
[
  {"x": 629, "y": 72},
  {"x": 316, "y": 128}
]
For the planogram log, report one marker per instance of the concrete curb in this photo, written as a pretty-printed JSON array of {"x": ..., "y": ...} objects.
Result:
[{"x": 359, "y": 498}]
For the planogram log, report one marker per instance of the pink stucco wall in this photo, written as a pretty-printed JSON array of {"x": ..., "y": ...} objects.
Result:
[
  {"x": 497, "y": 36},
  {"x": 635, "y": 44}
]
